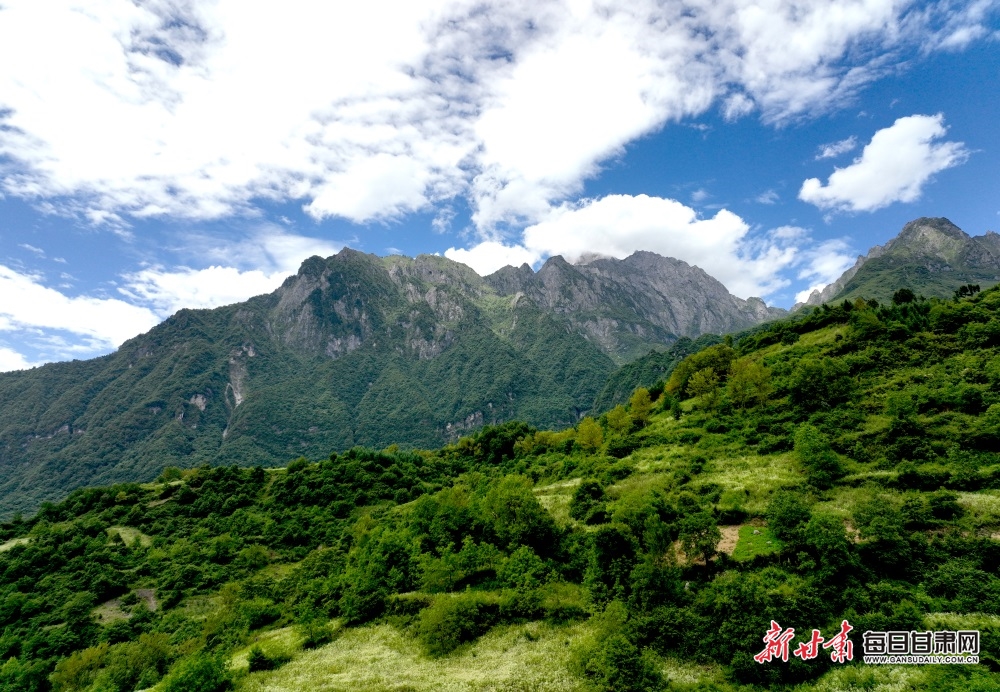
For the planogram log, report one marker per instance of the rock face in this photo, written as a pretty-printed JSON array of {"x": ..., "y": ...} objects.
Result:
[
  {"x": 354, "y": 349},
  {"x": 931, "y": 256},
  {"x": 627, "y": 306}
]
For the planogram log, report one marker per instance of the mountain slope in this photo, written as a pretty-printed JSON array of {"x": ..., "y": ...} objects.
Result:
[
  {"x": 352, "y": 350},
  {"x": 930, "y": 256},
  {"x": 629, "y": 306},
  {"x": 650, "y": 549}
]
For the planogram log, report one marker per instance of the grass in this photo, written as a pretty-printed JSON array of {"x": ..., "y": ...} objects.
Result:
[
  {"x": 758, "y": 476},
  {"x": 555, "y": 498},
  {"x": 4, "y": 547},
  {"x": 961, "y": 621},
  {"x": 379, "y": 658},
  {"x": 750, "y": 545},
  {"x": 984, "y": 504},
  {"x": 128, "y": 535}
]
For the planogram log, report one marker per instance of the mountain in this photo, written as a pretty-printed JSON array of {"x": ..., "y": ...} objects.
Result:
[
  {"x": 835, "y": 486},
  {"x": 628, "y": 306},
  {"x": 930, "y": 256},
  {"x": 353, "y": 350}
]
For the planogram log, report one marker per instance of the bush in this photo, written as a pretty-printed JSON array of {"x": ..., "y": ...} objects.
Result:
[
  {"x": 454, "y": 620},
  {"x": 587, "y": 499},
  {"x": 619, "y": 666},
  {"x": 198, "y": 673},
  {"x": 820, "y": 461}
]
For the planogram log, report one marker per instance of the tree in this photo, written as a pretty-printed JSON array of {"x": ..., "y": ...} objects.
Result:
[
  {"x": 704, "y": 385},
  {"x": 820, "y": 461},
  {"x": 718, "y": 358},
  {"x": 619, "y": 420},
  {"x": 749, "y": 382},
  {"x": 818, "y": 384},
  {"x": 198, "y": 673},
  {"x": 589, "y": 435},
  {"x": 640, "y": 405},
  {"x": 699, "y": 535}
]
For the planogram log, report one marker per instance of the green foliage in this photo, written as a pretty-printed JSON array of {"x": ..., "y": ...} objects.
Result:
[
  {"x": 120, "y": 587},
  {"x": 589, "y": 435},
  {"x": 454, "y": 620},
  {"x": 820, "y": 384},
  {"x": 640, "y": 406},
  {"x": 619, "y": 666},
  {"x": 714, "y": 359},
  {"x": 813, "y": 450},
  {"x": 587, "y": 503},
  {"x": 198, "y": 673}
]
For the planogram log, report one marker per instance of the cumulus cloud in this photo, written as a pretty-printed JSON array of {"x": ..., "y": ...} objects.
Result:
[
  {"x": 56, "y": 326},
  {"x": 618, "y": 225},
  {"x": 893, "y": 167},
  {"x": 835, "y": 149},
  {"x": 12, "y": 360},
  {"x": 823, "y": 265},
  {"x": 172, "y": 108},
  {"x": 27, "y": 304},
  {"x": 252, "y": 266},
  {"x": 488, "y": 256}
]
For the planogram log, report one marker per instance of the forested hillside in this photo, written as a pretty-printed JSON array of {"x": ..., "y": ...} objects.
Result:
[
  {"x": 838, "y": 466},
  {"x": 353, "y": 350}
]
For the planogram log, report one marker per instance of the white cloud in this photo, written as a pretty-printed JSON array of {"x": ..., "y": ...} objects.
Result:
[
  {"x": 56, "y": 326},
  {"x": 488, "y": 256},
  {"x": 170, "y": 290},
  {"x": 736, "y": 106},
  {"x": 824, "y": 265},
  {"x": 618, "y": 225},
  {"x": 255, "y": 265},
  {"x": 893, "y": 167},
  {"x": 117, "y": 109},
  {"x": 12, "y": 360},
  {"x": 25, "y": 304},
  {"x": 767, "y": 197},
  {"x": 835, "y": 149}
]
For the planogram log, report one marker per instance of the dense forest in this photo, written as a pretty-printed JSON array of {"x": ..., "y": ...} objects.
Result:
[{"x": 837, "y": 466}]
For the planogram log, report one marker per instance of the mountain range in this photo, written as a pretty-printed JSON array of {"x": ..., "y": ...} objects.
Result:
[
  {"x": 357, "y": 349},
  {"x": 354, "y": 349}
]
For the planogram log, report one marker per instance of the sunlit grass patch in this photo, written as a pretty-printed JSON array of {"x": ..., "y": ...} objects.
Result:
[
  {"x": 871, "y": 679},
  {"x": 533, "y": 656},
  {"x": 682, "y": 674},
  {"x": 110, "y": 611},
  {"x": 4, "y": 547},
  {"x": 555, "y": 498},
  {"x": 961, "y": 621},
  {"x": 759, "y": 476},
  {"x": 638, "y": 484},
  {"x": 276, "y": 644},
  {"x": 128, "y": 535},
  {"x": 657, "y": 458},
  {"x": 983, "y": 505},
  {"x": 844, "y": 500},
  {"x": 751, "y": 544}
]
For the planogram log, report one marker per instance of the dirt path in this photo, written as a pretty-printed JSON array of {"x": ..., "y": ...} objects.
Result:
[{"x": 730, "y": 537}]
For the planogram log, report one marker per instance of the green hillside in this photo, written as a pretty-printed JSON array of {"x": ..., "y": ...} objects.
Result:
[
  {"x": 838, "y": 466},
  {"x": 354, "y": 350}
]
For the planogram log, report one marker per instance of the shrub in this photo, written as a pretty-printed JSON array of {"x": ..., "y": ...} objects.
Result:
[
  {"x": 198, "y": 673},
  {"x": 454, "y": 620},
  {"x": 619, "y": 666}
]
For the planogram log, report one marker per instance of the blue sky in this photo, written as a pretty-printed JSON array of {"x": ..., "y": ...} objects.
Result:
[{"x": 178, "y": 153}]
